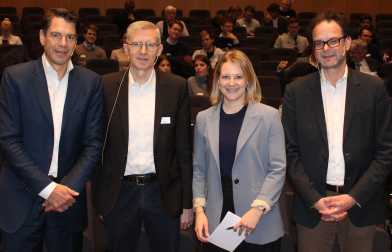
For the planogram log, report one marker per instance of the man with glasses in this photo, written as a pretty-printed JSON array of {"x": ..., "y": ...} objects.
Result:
[
  {"x": 339, "y": 146},
  {"x": 51, "y": 134},
  {"x": 146, "y": 174}
]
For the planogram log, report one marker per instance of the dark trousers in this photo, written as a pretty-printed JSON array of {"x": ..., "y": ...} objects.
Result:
[
  {"x": 137, "y": 205},
  {"x": 246, "y": 247},
  {"x": 43, "y": 229}
]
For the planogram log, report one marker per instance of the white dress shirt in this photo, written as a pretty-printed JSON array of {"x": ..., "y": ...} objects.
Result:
[
  {"x": 141, "y": 113},
  {"x": 57, "y": 90},
  {"x": 334, "y": 101}
]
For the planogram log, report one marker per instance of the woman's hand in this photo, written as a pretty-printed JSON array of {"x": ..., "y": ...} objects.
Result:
[
  {"x": 249, "y": 221},
  {"x": 201, "y": 226}
]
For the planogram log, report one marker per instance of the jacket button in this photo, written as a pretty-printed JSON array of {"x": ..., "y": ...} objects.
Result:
[{"x": 236, "y": 181}]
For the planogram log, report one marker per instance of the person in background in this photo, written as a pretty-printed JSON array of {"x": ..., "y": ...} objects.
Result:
[
  {"x": 88, "y": 49},
  {"x": 177, "y": 51},
  {"x": 234, "y": 12},
  {"x": 273, "y": 18},
  {"x": 248, "y": 21},
  {"x": 239, "y": 160},
  {"x": 227, "y": 39},
  {"x": 170, "y": 14},
  {"x": 291, "y": 39},
  {"x": 358, "y": 59},
  {"x": 338, "y": 129},
  {"x": 6, "y": 36},
  {"x": 367, "y": 35},
  {"x": 121, "y": 55},
  {"x": 126, "y": 17},
  {"x": 366, "y": 21},
  {"x": 200, "y": 84},
  {"x": 212, "y": 52},
  {"x": 163, "y": 64},
  {"x": 285, "y": 9}
]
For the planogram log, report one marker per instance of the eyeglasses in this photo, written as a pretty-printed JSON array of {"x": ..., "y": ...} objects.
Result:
[
  {"x": 333, "y": 42},
  {"x": 57, "y": 36},
  {"x": 150, "y": 46}
]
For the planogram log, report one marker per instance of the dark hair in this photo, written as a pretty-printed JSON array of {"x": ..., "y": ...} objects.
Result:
[
  {"x": 65, "y": 14},
  {"x": 329, "y": 16},
  {"x": 161, "y": 58},
  {"x": 250, "y": 9},
  {"x": 366, "y": 28},
  {"x": 365, "y": 17},
  {"x": 177, "y": 22},
  {"x": 210, "y": 72},
  {"x": 209, "y": 32},
  {"x": 227, "y": 19},
  {"x": 90, "y": 27},
  {"x": 293, "y": 20},
  {"x": 274, "y": 8}
]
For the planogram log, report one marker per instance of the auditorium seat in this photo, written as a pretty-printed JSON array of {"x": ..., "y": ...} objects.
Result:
[
  {"x": 279, "y": 54},
  {"x": 265, "y": 67},
  {"x": 8, "y": 10},
  {"x": 306, "y": 15},
  {"x": 36, "y": 11},
  {"x": 83, "y": 12},
  {"x": 356, "y": 16},
  {"x": 200, "y": 13},
  {"x": 144, "y": 14},
  {"x": 103, "y": 66},
  {"x": 383, "y": 17},
  {"x": 270, "y": 86},
  {"x": 112, "y": 13}
]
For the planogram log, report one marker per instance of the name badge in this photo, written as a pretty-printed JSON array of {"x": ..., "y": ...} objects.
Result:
[{"x": 165, "y": 120}]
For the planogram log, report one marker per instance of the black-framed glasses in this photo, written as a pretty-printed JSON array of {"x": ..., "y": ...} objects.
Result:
[
  {"x": 150, "y": 46},
  {"x": 333, "y": 42}
]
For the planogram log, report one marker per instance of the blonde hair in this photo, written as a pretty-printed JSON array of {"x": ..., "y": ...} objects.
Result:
[
  {"x": 142, "y": 25},
  {"x": 253, "y": 89}
]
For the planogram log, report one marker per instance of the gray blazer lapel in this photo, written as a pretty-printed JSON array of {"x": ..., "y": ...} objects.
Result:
[
  {"x": 250, "y": 123},
  {"x": 213, "y": 133}
]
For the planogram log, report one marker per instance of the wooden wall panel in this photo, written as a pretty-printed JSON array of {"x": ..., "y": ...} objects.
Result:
[{"x": 347, "y": 6}]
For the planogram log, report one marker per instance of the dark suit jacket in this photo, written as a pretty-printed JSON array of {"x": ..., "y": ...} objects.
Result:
[
  {"x": 26, "y": 138},
  {"x": 172, "y": 150},
  {"x": 367, "y": 146}
]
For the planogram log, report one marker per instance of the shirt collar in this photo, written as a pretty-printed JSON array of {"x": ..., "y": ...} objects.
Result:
[
  {"x": 149, "y": 81},
  {"x": 343, "y": 79},
  {"x": 48, "y": 69}
]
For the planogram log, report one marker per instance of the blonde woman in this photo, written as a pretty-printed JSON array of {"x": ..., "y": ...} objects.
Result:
[{"x": 239, "y": 159}]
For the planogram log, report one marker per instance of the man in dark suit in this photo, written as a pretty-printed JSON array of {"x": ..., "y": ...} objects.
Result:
[
  {"x": 146, "y": 173},
  {"x": 339, "y": 146},
  {"x": 51, "y": 134}
]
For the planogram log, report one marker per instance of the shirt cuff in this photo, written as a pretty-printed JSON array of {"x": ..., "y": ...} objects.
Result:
[
  {"x": 45, "y": 193},
  {"x": 261, "y": 203},
  {"x": 199, "y": 202}
]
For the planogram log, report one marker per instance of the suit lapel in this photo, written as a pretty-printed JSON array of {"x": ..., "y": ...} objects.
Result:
[
  {"x": 159, "y": 103},
  {"x": 41, "y": 88},
  {"x": 213, "y": 133},
  {"x": 250, "y": 123},
  {"x": 71, "y": 98},
  {"x": 351, "y": 93},
  {"x": 123, "y": 105},
  {"x": 316, "y": 102}
]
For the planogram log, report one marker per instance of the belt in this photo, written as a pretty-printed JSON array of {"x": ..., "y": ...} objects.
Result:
[
  {"x": 335, "y": 188},
  {"x": 141, "y": 179}
]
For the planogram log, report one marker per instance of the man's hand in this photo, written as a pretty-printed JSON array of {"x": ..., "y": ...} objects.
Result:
[
  {"x": 186, "y": 218},
  {"x": 334, "y": 208},
  {"x": 60, "y": 199}
]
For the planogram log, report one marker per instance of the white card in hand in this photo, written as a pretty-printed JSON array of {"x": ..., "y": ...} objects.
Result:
[{"x": 226, "y": 238}]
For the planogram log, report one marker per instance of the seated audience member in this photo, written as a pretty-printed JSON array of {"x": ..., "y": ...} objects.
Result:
[
  {"x": 373, "y": 48},
  {"x": 227, "y": 39},
  {"x": 248, "y": 21},
  {"x": 274, "y": 19},
  {"x": 88, "y": 49},
  {"x": 6, "y": 36},
  {"x": 200, "y": 84},
  {"x": 358, "y": 60},
  {"x": 212, "y": 52},
  {"x": 285, "y": 9},
  {"x": 292, "y": 39},
  {"x": 366, "y": 21},
  {"x": 177, "y": 51},
  {"x": 170, "y": 13},
  {"x": 126, "y": 17},
  {"x": 234, "y": 13},
  {"x": 163, "y": 64},
  {"x": 121, "y": 55}
]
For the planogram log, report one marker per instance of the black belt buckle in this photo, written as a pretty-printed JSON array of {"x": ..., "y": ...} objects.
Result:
[{"x": 140, "y": 180}]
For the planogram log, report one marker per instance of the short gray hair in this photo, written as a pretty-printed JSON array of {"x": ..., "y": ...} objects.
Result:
[{"x": 142, "y": 25}]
